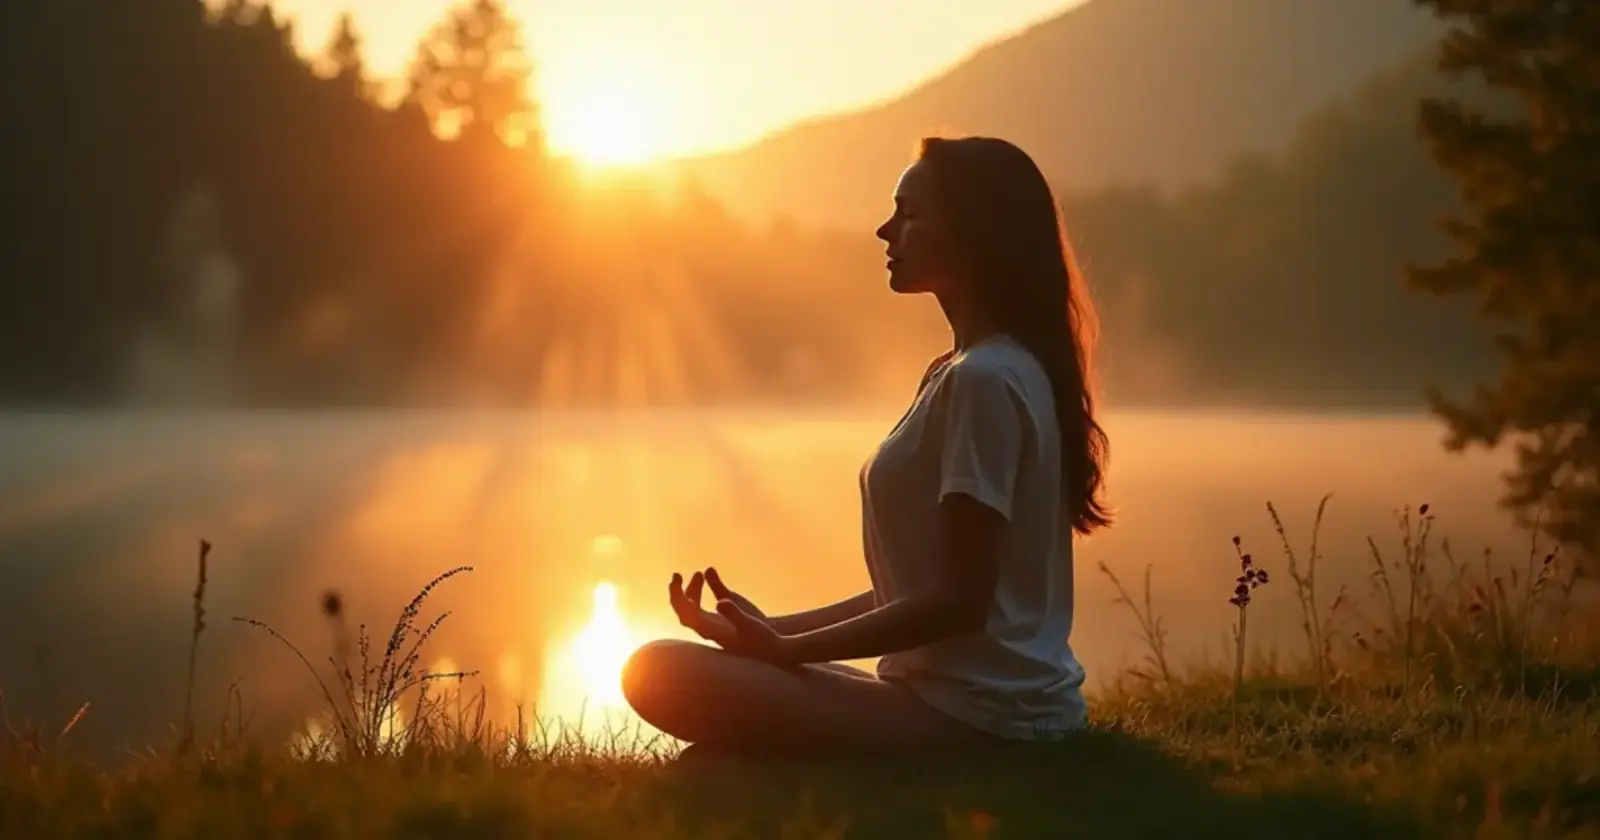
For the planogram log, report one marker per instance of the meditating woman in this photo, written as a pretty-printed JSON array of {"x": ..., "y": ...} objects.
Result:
[{"x": 969, "y": 509}]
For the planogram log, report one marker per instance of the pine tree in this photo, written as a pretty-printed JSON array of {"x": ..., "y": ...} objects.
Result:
[
  {"x": 1529, "y": 238},
  {"x": 344, "y": 56},
  {"x": 472, "y": 73}
]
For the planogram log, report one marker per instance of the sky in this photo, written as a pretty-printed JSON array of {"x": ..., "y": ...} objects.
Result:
[{"x": 633, "y": 78}]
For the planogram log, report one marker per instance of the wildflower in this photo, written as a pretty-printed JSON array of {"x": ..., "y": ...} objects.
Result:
[{"x": 1250, "y": 578}]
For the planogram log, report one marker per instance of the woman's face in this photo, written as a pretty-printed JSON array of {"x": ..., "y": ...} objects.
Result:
[{"x": 917, "y": 242}]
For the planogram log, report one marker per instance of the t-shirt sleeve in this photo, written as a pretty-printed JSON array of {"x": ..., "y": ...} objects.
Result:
[{"x": 984, "y": 428}]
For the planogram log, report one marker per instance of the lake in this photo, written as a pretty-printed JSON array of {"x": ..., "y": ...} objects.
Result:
[{"x": 564, "y": 516}]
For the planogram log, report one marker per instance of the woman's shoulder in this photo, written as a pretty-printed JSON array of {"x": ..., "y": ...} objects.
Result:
[
  {"x": 934, "y": 367},
  {"x": 999, "y": 371},
  {"x": 1000, "y": 359}
]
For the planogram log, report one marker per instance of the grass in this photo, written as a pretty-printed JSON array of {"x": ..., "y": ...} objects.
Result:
[{"x": 1449, "y": 700}]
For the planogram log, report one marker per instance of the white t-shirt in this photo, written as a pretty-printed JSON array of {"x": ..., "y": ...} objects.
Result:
[{"x": 983, "y": 424}]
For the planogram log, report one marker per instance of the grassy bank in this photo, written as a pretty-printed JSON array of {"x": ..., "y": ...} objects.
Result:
[{"x": 1447, "y": 699}]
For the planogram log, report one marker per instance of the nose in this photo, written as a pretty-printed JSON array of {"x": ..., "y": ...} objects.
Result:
[{"x": 885, "y": 232}]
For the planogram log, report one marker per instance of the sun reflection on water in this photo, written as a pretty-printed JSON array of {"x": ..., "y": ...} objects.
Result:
[
  {"x": 602, "y": 648},
  {"x": 582, "y": 688}
]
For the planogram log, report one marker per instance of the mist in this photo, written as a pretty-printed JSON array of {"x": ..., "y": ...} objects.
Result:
[{"x": 103, "y": 514}]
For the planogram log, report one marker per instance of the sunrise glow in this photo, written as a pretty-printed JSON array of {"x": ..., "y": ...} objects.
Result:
[{"x": 603, "y": 125}]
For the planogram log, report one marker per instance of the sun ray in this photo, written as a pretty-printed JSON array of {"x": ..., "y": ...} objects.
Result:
[
  {"x": 556, "y": 373},
  {"x": 656, "y": 335},
  {"x": 695, "y": 331}
]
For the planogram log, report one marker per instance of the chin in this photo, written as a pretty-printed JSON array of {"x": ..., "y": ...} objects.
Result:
[{"x": 903, "y": 285}]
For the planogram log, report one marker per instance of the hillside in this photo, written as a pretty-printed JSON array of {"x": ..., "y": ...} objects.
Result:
[
  {"x": 1159, "y": 92},
  {"x": 1282, "y": 282}
]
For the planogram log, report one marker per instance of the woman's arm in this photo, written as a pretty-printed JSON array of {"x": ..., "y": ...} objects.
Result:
[
  {"x": 957, "y": 604},
  {"x": 979, "y": 460},
  {"x": 809, "y": 620}
]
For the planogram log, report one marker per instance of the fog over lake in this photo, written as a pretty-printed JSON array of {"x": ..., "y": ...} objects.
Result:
[{"x": 101, "y": 515}]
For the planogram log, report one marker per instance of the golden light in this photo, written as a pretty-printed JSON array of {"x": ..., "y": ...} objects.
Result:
[
  {"x": 602, "y": 648},
  {"x": 580, "y": 694},
  {"x": 603, "y": 125}
]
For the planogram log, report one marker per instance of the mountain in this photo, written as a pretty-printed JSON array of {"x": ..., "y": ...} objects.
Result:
[{"x": 1159, "y": 92}]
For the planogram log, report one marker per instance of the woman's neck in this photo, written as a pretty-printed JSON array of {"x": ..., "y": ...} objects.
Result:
[{"x": 967, "y": 325}]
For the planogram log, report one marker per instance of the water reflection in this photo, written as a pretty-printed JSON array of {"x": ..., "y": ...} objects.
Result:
[{"x": 573, "y": 523}]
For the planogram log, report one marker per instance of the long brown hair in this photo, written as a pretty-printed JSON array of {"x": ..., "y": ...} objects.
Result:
[{"x": 1006, "y": 236}]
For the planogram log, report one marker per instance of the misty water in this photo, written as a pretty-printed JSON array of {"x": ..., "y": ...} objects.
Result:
[{"x": 101, "y": 514}]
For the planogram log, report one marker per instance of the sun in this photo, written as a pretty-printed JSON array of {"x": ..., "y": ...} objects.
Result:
[{"x": 604, "y": 125}]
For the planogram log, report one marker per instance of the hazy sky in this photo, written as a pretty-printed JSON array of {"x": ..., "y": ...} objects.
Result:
[{"x": 692, "y": 75}]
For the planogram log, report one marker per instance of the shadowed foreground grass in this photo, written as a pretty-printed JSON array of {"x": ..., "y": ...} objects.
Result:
[{"x": 1464, "y": 702}]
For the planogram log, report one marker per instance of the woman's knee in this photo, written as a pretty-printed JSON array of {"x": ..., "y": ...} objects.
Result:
[{"x": 657, "y": 672}]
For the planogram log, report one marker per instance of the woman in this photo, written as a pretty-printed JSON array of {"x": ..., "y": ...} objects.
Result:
[{"x": 969, "y": 507}]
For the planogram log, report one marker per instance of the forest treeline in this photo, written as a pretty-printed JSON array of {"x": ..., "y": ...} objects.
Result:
[{"x": 194, "y": 201}]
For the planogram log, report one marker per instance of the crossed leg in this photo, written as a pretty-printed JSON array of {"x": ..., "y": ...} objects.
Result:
[{"x": 705, "y": 695}]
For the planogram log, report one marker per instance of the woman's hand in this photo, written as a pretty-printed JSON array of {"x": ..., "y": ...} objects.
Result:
[
  {"x": 755, "y": 637},
  {"x": 737, "y": 626},
  {"x": 721, "y": 592},
  {"x": 686, "y": 605}
]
